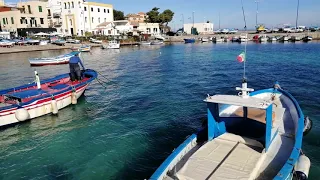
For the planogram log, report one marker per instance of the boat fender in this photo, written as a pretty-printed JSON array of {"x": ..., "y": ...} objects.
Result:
[
  {"x": 22, "y": 114},
  {"x": 54, "y": 106},
  {"x": 307, "y": 125},
  {"x": 302, "y": 167},
  {"x": 74, "y": 97}
]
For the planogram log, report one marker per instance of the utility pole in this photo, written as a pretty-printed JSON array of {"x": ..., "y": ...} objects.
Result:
[
  {"x": 182, "y": 23},
  {"x": 257, "y": 12}
]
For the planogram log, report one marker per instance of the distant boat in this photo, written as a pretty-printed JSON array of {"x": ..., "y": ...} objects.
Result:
[
  {"x": 59, "y": 42},
  {"x": 272, "y": 39},
  {"x": 145, "y": 43},
  {"x": 307, "y": 38},
  {"x": 263, "y": 38},
  {"x": 62, "y": 59},
  {"x": 295, "y": 38},
  {"x": 43, "y": 43},
  {"x": 284, "y": 38},
  {"x": 84, "y": 48},
  {"x": 235, "y": 39},
  {"x": 156, "y": 42},
  {"x": 204, "y": 39},
  {"x": 189, "y": 40},
  {"x": 95, "y": 41},
  {"x": 243, "y": 38},
  {"x": 218, "y": 40},
  {"x": 36, "y": 99}
]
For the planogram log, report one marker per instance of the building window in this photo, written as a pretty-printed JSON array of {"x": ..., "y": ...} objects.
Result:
[
  {"x": 98, "y": 9},
  {"x": 70, "y": 22},
  {"x": 65, "y": 5},
  {"x": 12, "y": 21},
  {"x": 148, "y": 29},
  {"x": 4, "y": 21},
  {"x": 26, "y": 21},
  {"x": 29, "y": 9},
  {"x": 98, "y": 20},
  {"x": 49, "y": 12},
  {"x": 85, "y": 8},
  {"x": 72, "y": 5},
  {"x": 23, "y": 9},
  {"x": 41, "y": 21},
  {"x": 68, "y": 5},
  {"x": 105, "y": 19},
  {"x": 104, "y": 10},
  {"x": 85, "y": 19},
  {"x": 92, "y": 19},
  {"x": 21, "y": 21},
  {"x": 91, "y": 9},
  {"x": 40, "y": 8},
  {"x": 108, "y": 11}
]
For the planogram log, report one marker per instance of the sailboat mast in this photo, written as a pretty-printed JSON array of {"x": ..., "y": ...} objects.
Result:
[
  {"x": 219, "y": 20},
  {"x": 297, "y": 15},
  {"x": 245, "y": 46}
]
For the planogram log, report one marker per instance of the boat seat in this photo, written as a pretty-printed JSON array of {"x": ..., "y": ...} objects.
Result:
[{"x": 226, "y": 157}]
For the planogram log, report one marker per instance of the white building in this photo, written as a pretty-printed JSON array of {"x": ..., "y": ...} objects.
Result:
[
  {"x": 79, "y": 17},
  {"x": 202, "y": 28},
  {"x": 149, "y": 28},
  {"x": 114, "y": 28}
]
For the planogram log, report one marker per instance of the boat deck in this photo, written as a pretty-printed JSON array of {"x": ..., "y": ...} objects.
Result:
[{"x": 228, "y": 156}]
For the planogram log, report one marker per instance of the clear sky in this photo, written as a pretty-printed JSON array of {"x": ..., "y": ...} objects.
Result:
[{"x": 271, "y": 12}]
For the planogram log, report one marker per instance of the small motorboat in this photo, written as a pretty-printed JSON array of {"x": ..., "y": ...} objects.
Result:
[
  {"x": 62, "y": 59},
  {"x": 112, "y": 45},
  {"x": 218, "y": 40},
  {"x": 95, "y": 41},
  {"x": 263, "y": 38},
  {"x": 33, "y": 100},
  {"x": 59, "y": 42},
  {"x": 6, "y": 43},
  {"x": 284, "y": 38},
  {"x": 256, "y": 135},
  {"x": 84, "y": 48},
  {"x": 295, "y": 38},
  {"x": 192, "y": 40},
  {"x": 43, "y": 42},
  {"x": 307, "y": 38},
  {"x": 74, "y": 41},
  {"x": 33, "y": 41},
  {"x": 235, "y": 39},
  {"x": 243, "y": 38},
  {"x": 156, "y": 42},
  {"x": 272, "y": 39},
  {"x": 204, "y": 39},
  {"x": 145, "y": 43}
]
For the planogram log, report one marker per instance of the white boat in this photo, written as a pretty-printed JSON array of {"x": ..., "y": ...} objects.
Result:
[
  {"x": 295, "y": 38},
  {"x": 218, "y": 40},
  {"x": 243, "y": 38},
  {"x": 95, "y": 41},
  {"x": 145, "y": 43},
  {"x": 6, "y": 43},
  {"x": 204, "y": 39},
  {"x": 112, "y": 45},
  {"x": 307, "y": 38},
  {"x": 235, "y": 39},
  {"x": 62, "y": 59},
  {"x": 225, "y": 31},
  {"x": 284, "y": 38},
  {"x": 272, "y": 39},
  {"x": 256, "y": 135},
  {"x": 156, "y": 42},
  {"x": 43, "y": 43},
  {"x": 263, "y": 38},
  {"x": 84, "y": 48},
  {"x": 33, "y": 41},
  {"x": 74, "y": 41},
  {"x": 159, "y": 37}
]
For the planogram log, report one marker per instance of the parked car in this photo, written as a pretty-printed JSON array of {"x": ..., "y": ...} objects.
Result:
[
  {"x": 288, "y": 29},
  {"x": 225, "y": 31},
  {"x": 314, "y": 28}
]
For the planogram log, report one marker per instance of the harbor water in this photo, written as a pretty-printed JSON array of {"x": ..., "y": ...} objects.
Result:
[{"x": 148, "y": 101}]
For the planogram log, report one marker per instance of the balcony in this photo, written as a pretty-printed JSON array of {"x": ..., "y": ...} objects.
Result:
[{"x": 57, "y": 24}]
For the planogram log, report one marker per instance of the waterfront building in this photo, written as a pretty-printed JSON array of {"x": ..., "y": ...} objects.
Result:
[
  {"x": 152, "y": 29},
  {"x": 26, "y": 17},
  {"x": 114, "y": 28},
  {"x": 79, "y": 17},
  {"x": 136, "y": 18},
  {"x": 202, "y": 28},
  {"x": 54, "y": 9}
]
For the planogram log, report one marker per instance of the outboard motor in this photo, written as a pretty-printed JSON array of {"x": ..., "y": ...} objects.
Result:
[
  {"x": 302, "y": 168},
  {"x": 307, "y": 125}
]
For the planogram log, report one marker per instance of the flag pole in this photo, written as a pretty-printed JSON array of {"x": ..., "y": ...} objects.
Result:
[{"x": 245, "y": 46}]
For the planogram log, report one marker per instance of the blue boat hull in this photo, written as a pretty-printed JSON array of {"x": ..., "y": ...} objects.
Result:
[{"x": 189, "y": 40}]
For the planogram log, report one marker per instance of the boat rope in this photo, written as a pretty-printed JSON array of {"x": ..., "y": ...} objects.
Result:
[{"x": 245, "y": 46}]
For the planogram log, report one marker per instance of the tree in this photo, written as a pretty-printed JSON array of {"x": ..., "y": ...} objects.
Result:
[
  {"x": 166, "y": 16},
  {"x": 154, "y": 16},
  {"x": 118, "y": 15}
]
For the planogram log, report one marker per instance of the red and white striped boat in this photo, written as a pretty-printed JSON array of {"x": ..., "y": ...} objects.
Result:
[{"x": 40, "y": 98}]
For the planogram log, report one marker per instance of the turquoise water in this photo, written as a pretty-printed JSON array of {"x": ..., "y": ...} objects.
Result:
[{"x": 151, "y": 103}]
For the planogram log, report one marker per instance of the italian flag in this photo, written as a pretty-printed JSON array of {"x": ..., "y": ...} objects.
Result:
[{"x": 241, "y": 57}]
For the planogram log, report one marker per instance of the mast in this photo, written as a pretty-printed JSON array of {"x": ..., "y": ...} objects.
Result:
[
  {"x": 219, "y": 20},
  {"x": 245, "y": 46},
  {"x": 297, "y": 15},
  {"x": 257, "y": 12}
]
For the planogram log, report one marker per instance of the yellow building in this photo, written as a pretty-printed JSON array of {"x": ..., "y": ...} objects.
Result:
[{"x": 30, "y": 16}]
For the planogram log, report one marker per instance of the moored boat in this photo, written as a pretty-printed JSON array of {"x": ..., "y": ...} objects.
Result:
[
  {"x": 113, "y": 45},
  {"x": 40, "y": 98},
  {"x": 204, "y": 39},
  {"x": 62, "y": 59},
  {"x": 235, "y": 39},
  {"x": 156, "y": 42},
  {"x": 243, "y": 38},
  {"x": 284, "y": 38},
  {"x": 272, "y": 39},
  {"x": 307, "y": 38},
  {"x": 263, "y": 38},
  {"x": 95, "y": 41},
  {"x": 59, "y": 42},
  {"x": 218, "y": 40},
  {"x": 192, "y": 40},
  {"x": 84, "y": 48},
  {"x": 255, "y": 135},
  {"x": 145, "y": 43}
]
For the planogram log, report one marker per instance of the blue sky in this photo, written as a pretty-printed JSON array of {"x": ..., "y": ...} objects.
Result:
[{"x": 271, "y": 12}]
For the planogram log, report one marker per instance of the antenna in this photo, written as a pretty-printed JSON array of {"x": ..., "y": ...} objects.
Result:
[{"x": 245, "y": 46}]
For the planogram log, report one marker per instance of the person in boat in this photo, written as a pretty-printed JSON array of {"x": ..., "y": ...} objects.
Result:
[{"x": 75, "y": 72}]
